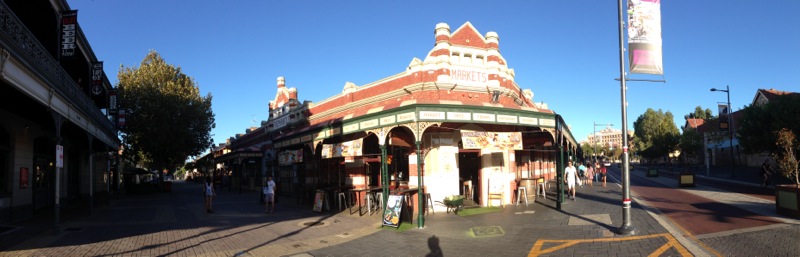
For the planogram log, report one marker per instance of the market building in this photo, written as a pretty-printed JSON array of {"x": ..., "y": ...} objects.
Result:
[
  {"x": 455, "y": 123},
  {"x": 56, "y": 129}
]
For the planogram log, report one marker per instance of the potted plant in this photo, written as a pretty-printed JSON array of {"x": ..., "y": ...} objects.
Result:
[{"x": 787, "y": 196}]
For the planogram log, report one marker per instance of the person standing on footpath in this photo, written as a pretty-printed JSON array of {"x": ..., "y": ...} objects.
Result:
[
  {"x": 596, "y": 172},
  {"x": 589, "y": 173},
  {"x": 570, "y": 176},
  {"x": 209, "y": 193},
  {"x": 766, "y": 173},
  {"x": 269, "y": 196},
  {"x": 581, "y": 174}
]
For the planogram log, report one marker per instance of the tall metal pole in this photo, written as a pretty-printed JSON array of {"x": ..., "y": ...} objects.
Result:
[
  {"x": 594, "y": 141},
  {"x": 420, "y": 197},
  {"x": 730, "y": 129},
  {"x": 626, "y": 228}
]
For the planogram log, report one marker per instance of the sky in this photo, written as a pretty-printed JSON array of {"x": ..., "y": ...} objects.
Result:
[{"x": 566, "y": 52}]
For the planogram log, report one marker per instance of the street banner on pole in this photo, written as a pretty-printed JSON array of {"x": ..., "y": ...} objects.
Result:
[
  {"x": 723, "y": 117},
  {"x": 644, "y": 37}
]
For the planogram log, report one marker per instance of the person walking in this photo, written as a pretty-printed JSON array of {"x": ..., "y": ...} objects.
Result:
[
  {"x": 570, "y": 176},
  {"x": 581, "y": 174},
  {"x": 603, "y": 172},
  {"x": 209, "y": 193},
  {"x": 269, "y": 196},
  {"x": 766, "y": 173}
]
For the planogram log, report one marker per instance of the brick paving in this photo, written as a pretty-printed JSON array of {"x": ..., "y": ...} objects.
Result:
[{"x": 175, "y": 224}]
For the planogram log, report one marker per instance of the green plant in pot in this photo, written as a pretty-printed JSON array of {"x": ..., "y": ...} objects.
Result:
[{"x": 787, "y": 197}]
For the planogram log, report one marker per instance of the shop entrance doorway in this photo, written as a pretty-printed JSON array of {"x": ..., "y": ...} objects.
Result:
[{"x": 469, "y": 166}]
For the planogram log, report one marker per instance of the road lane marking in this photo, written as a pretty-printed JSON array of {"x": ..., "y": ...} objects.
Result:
[{"x": 538, "y": 249}]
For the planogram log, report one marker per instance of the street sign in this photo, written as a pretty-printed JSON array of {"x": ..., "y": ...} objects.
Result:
[{"x": 59, "y": 156}]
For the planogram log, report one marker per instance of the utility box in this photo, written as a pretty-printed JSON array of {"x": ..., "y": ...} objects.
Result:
[{"x": 686, "y": 179}]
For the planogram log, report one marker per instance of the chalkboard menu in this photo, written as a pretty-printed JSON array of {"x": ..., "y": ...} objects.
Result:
[
  {"x": 391, "y": 215},
  {"x": 319, "y": 197}
]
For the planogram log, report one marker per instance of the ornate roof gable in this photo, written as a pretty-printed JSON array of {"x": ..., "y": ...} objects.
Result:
[{"x": 467, "y": 35}]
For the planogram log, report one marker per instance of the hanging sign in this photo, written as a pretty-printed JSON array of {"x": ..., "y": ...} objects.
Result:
[
  {"x": 112, "y": 102},
  {"x": 97, "y": 78},
  {"x": 59, "y": 156},
  {"x": 491, "y": 140},
  {"x": 69, "y": 23},
  {"x": 724, "y": 111},
  {"x": 344, "y": 149},
  {"x": 644, "y": 37}
]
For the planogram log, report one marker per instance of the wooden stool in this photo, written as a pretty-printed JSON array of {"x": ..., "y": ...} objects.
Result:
[
  {"x": 342, "y": 198},
  {"x": 468, "y": 190}
]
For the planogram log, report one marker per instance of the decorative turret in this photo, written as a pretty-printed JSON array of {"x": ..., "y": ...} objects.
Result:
[
  {"x": 492, "y": 40},
  {"x": 442, "y": 33},
  {"x": 281, "y": 82},
  {"x": 493, "y": 49},
  {"x": 442, "y": 46}
]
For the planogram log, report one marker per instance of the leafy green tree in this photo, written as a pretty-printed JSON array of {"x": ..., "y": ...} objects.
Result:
[
  {"x": 691, "y": 143},
  {"x": 168, "y": 119},
  {"x": 756, "y": 128},
  {"x": 589, "y": 150},
  {"x": 699, "y": 113},
  {"x": 656, "y": 134}
]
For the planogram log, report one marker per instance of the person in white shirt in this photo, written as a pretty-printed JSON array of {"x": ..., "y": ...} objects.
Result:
[
  {"x": 570, "y": 176},
  {"x": 269, "y": 195},
  {"x": 209, "y": 193}
]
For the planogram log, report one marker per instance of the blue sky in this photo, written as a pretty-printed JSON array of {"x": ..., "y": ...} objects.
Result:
[{"x": 566, "y": 52}]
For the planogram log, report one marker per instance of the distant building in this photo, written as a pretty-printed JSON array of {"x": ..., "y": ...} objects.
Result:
[
  {"x": 455, "y": 123},
  {"x": 607, "y": 138},
  {"x": 718, "y": 143}
]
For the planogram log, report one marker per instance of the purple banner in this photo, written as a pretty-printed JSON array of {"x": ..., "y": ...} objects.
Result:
[{"x": 644, "y": 37}]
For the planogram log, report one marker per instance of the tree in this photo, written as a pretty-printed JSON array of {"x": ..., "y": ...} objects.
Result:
[
  {"x": 699, "y": 113},
  {"x": 691, "y": 143},
  {"x": 589, "y": 150},
  {"x": 786, "y": 155},
  {"x": 656, "y": 134},
  {"x": 758, "y": 123},
  {"x": 168, "y": 120}
]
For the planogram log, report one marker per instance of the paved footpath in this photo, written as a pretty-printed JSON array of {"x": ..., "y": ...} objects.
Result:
[{"x": 175, "y": 224}]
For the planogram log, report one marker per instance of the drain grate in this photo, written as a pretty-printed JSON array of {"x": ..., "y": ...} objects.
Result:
[
  {"x": 487, "y": 231},
  {"x": 73, "y": 229}
]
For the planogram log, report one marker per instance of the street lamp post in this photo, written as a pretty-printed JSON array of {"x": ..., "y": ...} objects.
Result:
[
  {"x": 727, "y": 91},
  {"x": 594, "y": 138}
]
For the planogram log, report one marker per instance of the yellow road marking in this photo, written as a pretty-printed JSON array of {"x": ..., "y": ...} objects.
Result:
[{"x": 671, "y": 242}]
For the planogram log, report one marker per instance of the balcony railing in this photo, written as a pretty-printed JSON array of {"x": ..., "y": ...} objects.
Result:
[{"x": 21, "y": 43}]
